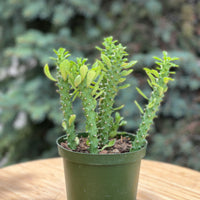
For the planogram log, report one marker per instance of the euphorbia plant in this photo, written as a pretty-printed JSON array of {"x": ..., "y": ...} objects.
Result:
[{"x": 97, "y": 86}]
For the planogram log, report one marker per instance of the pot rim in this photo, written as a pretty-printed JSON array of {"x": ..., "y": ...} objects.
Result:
[{"x": 100, "y": 159}]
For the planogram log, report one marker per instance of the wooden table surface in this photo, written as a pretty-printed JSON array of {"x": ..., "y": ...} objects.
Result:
[{"x": 44, "y": 180}]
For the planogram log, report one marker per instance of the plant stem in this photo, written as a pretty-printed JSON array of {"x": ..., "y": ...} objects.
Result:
[
  {"x": 158, "y": 82},
  {"x": 89, "y": 105}
]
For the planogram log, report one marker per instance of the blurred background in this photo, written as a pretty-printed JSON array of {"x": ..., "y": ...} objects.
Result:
[{"x": 30, "y": 119}]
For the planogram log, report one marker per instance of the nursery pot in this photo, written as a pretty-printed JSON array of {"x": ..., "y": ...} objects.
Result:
[{"x": 101, "y": 177}]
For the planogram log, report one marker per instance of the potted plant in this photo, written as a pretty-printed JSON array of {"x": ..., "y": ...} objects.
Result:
[{"x": 103, "y": 163}]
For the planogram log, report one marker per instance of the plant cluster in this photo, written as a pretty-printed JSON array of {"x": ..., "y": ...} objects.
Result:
[
  {"x": 97, "y": 88},
  {"x": 29, "y": 110}
]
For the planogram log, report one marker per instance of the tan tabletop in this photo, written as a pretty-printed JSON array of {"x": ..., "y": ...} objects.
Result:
[{"x": 44, "y": 180}]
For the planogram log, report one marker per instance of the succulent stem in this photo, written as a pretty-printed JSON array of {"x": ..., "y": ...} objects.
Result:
[{"x": 158, "y": 80}]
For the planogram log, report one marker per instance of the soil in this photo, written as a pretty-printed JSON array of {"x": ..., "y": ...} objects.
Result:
[{"x": 122, "y": 145}]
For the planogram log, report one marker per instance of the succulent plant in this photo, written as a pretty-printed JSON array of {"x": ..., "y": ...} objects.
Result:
[{"x": 97, "y": 86}]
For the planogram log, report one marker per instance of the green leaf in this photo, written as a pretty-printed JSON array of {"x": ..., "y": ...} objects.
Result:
[
  {"x": 117, "y": 117},
  {"x": 97, "y": 69},
  {"x": 110, "y": 144},
  {"x": 90, "y": 77},
  {"x": 159, "y": 63},
  {"x": 174, "y": 65},
  {"x": 121, "y": 80},
  {"x": 106, "y": 60},
  {"x": 165, "y": 54},
  {"x": 139, "y": 107},
  {"x": 118, "y": 108},
  {"x": 155, "y": 73},
  {"x": 75, "y": 95},
  {"x": 48, "y": 74},
  {"x": 77, "y": 81},
  {"x": 124, "y": 86},
  {"x": 123, "y": 123},
  {"x": 149, "y": 82},
  {"x": 141, "y": 93},
  {"x": 157, "y": 58},
  {"x": 174, "y": 58},
  {"x": 77, "y": 140},
  {"x": 167, "y": 79},
  {"x": 72, "y": 119},
  {"x": 87, "y": 142},
  {"x": 63, "y": 69},
  {"x": 99, "y": 94},
  {"x": 64, "y": 125},
  {"x": 151, "y": 104},
  {"x": 101, "y": 65},
  {"x": 151, "y": 77},
  {"x": 129, "y": 65},
  {"x": 83, "y": 71},
  {"x": 96, "y": 87},
  {"x": 126, "y": 72}
]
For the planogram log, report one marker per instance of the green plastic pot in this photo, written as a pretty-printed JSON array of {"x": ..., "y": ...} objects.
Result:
[{"x": 101, "y": 177}]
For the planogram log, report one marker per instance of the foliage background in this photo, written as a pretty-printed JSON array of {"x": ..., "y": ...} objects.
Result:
[{"x": 29, "y": 107}]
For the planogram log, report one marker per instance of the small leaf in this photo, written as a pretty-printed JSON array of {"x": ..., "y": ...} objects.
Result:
[
  {"x": 83, "y": 71},
  {"x": 101, "y": 65},
  {"x": 118, "y": 108},
  {"x": 152, "y": 72},
  {"x": 123, "y": 123},
  {"x": 161, "y": 90},
  {"x": 174, "y": 65},
  {"x": 98, "y": 71},
  {"x": 165, "y": 54},
  {"x": 106, "y": 60},
  {"x": 75, "y": 95},
  {"x": 124, "y": 86},
  {"x": 126, "y": 72},
  {"x": 128, "y": 65},
  {"x": 90, "y": 77},
  {"x": 149, "y": 82},
  {"x": 155, "y": 73},
  {"x": 159, "y": 63},
  {"x": 77, "y": 140},
  {"x": 174, "y": 58},
  {"x": 117, "y": 117},
  {"x": 52, "y": 58},
  {"x": 48, "y": 74},
  {"x": 151, "y": 77},
  {"x": 121, "y": 80},
  {"x": 141, "y": 93},
  {"x": 87, "y": 142},
  {"x": 72, "y": 119},
  {"x": 155, "y": 84},
  {"x": 63, "y": 69},
  {"x": 167, "y": 79},
  {"x": 139, "y": 107},
  {"x": 96, "y": 87},
  {"x": 110, "y": 144},
  {"x": 77, "y": 80},
  {"x": 64, "y": 125},
  {"x": 157, "y": 58},
  {"x": 99, "y": 94},
  {"x": 151, "y": 104}
]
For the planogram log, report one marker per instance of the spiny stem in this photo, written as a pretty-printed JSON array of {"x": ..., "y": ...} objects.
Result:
[{"x": 158, "y": 82}]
